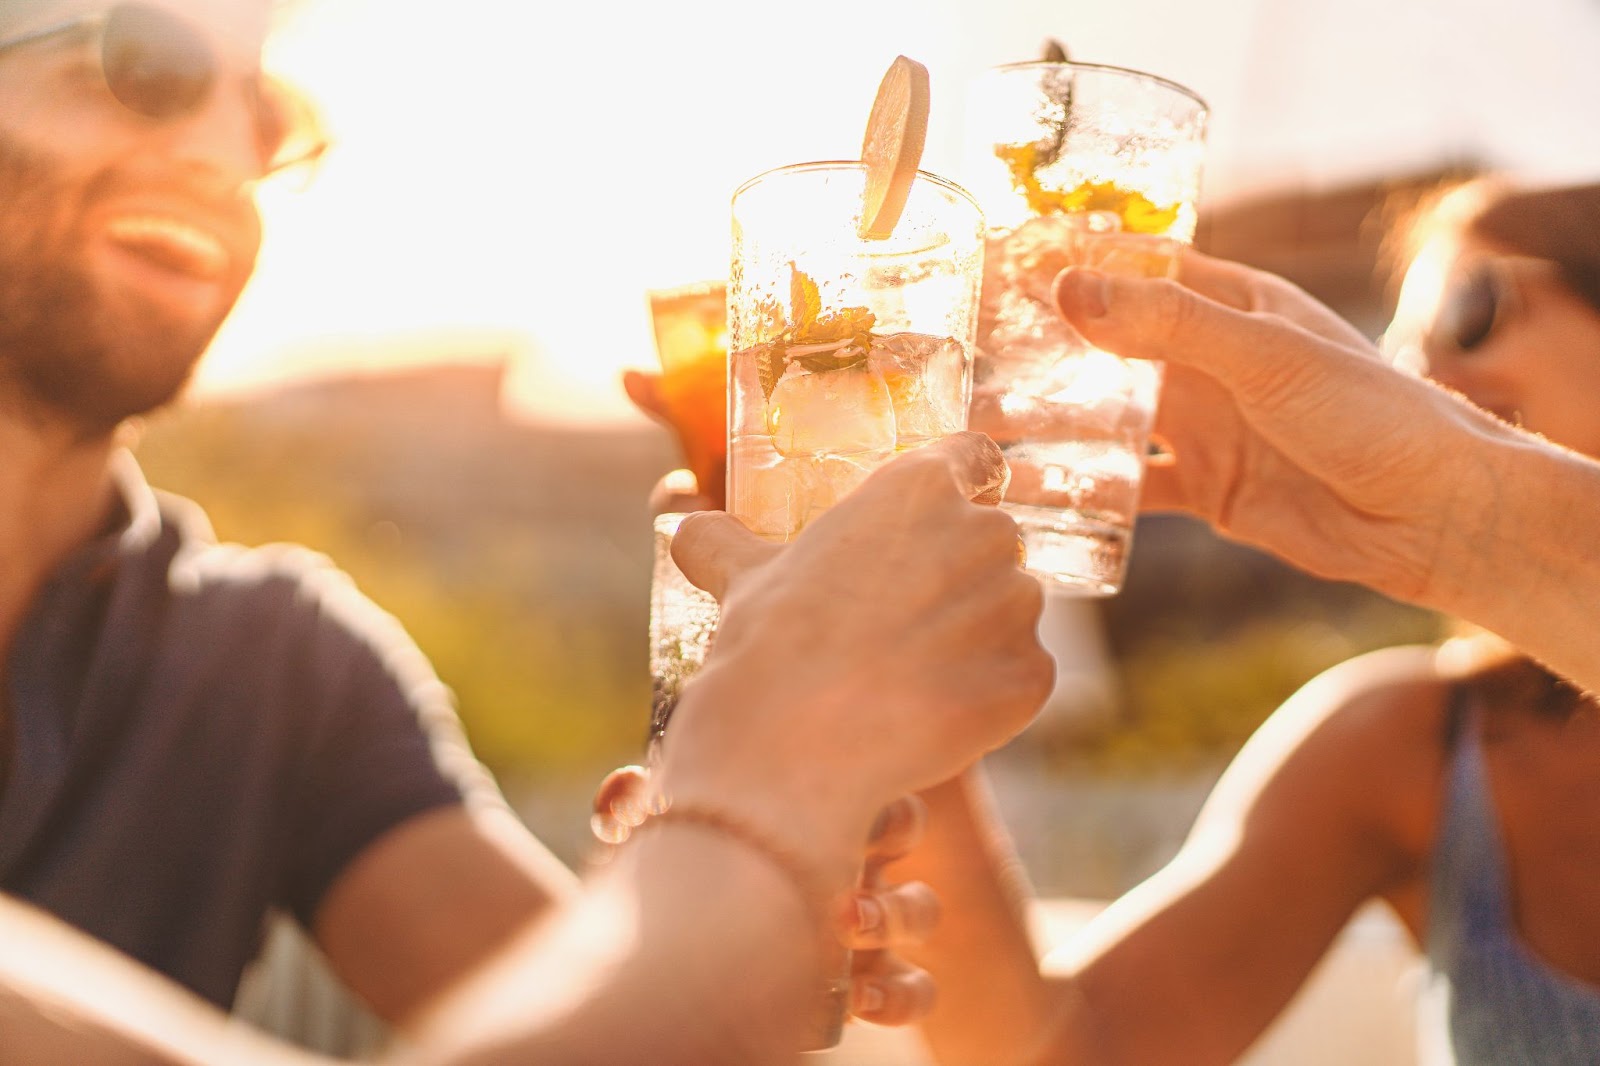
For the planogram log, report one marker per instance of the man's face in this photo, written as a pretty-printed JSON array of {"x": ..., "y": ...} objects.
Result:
[{"x": 124, "y": 240}]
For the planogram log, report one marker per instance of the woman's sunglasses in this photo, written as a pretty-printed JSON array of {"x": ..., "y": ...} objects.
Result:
[
  {"x": 1473, "y": 302},
  {"x": 157, "y": 65}
]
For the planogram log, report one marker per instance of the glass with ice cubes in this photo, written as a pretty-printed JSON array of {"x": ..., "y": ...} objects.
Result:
[
  {"x": 1092, "y": 166},
  {"x": 846, "y": 351}
]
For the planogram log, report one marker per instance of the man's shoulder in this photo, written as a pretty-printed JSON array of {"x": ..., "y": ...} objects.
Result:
[
  {"x": 271, "y": 600},
  {"x": 199, "y": 564}
]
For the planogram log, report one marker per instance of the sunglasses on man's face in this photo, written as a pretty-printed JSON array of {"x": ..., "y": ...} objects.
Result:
[{"x": 157, "y": 65}]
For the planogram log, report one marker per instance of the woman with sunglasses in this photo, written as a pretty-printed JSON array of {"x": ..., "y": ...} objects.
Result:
[{"x": 1459, "y": 783}]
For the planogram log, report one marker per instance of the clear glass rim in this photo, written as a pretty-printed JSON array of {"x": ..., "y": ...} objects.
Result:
[
  {"x": 851, "y": 164},
  {"x": 1105, "y": 68}
]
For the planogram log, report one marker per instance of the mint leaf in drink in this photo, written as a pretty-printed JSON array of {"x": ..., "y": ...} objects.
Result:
[
  {"x": 805, "y": 302},
  {"x": 769, "y": 367},
  {"x": 839, "y": 325},
  {"x": 818, "y": 343},
  {"x": 844, "y": 357}
]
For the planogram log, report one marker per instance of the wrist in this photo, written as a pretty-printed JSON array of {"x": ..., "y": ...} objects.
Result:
[
  {"x": 1525, "y": 569},
  {"x": 726, "y": 751},
  {"x": 1472, "y": 516}
]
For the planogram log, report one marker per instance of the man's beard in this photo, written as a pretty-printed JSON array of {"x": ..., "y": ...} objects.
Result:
[{"x": 69, "y": 355}]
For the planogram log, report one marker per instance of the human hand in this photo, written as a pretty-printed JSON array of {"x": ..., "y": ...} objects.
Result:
[
  {"x": 1287, "y": 431},
  {"x": 886, "y": 647},
  {"x": 875, "y": 920},
  {"x": 878, "y": 921}
]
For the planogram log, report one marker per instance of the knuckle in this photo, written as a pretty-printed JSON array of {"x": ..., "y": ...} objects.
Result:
[
  {"x": 920, "y": 908},
  {"x": 899, "y": 825},
  {"x": 1174, "y": 311}
]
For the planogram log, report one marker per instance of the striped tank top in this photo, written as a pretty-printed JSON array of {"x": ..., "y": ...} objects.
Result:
[{"x": 1493, "y": 1002}]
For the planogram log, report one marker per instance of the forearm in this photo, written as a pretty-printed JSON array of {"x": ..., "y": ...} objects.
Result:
[
  {"x": 994, "y": 1008},
  {"x": 1524, "y": 565},
  {"x": 690, "y": 948},
  {"x": 65, "y": 998}
]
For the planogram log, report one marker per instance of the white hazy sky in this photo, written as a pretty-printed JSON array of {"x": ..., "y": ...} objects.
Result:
[{"x": 509, "y": 179}]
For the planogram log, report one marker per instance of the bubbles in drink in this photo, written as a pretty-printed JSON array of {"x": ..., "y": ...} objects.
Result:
[
  {"x": 682, "y": 621},
  {"x": 1072, "y": 420}
]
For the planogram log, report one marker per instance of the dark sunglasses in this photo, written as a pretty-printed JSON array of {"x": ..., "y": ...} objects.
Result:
[
  {"x": 1469, "y": 308},
  {"x": 157, "y": 65}
]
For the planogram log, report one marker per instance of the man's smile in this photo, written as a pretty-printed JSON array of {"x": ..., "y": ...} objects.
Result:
[{"x": 172, "y": 244}]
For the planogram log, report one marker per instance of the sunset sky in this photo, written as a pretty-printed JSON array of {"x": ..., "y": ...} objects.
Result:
[{"x": 511, "y": 182}]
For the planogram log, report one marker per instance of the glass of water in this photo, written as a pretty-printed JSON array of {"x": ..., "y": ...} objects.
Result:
[{"x": 1075, "y": 165}]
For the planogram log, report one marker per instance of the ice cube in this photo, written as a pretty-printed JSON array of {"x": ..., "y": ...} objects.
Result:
[
  {"x": 748, "y": 411},
  {"x": 765, "y": 490},
  {"x": 831, "y": 412},
  {"x": 925, "y": 375},
  {"x": 830, "y": 479}
]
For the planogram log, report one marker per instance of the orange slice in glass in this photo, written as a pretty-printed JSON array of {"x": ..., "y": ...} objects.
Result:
[{"x": 897, "y": 129}]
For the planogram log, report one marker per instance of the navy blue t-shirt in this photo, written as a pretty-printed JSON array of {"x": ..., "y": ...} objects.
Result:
[{"x": 202, "y": 731}]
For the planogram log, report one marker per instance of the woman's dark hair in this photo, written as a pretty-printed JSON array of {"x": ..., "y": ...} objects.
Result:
[
  {"x": 1504, "y": 679},
  {"x": 1560, "y": 225}
]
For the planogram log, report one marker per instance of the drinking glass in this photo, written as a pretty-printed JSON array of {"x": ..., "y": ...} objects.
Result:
[
  {"x": 845, "y": 351},
  {"x": 691, "y": 332},
  {"x": 1093, "y": 166},
  {"x": 683, "y": 619}
]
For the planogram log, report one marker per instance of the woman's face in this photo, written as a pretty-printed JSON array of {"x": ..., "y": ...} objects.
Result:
[{"x": 1503, "y": 330}]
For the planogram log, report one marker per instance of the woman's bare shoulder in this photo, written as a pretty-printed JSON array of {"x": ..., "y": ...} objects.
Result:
[{"x": 1359, "y": 748}]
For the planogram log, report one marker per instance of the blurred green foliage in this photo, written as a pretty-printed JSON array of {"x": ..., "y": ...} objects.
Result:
[
  {"x": 519, "y": 561},
  {"x": 1208, "y": 638},
  {"x": 1187, "y": 703}
]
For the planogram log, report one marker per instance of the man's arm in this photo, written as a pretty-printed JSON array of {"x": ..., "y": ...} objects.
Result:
[
  {"x": 636, "y": 969},
  {"x": 65, "y": 998},
  {"x": 434, "y": 899},
  {"x": 1291, "y": 434},
  {"x": 699, "y": 945},
  {"x": 1194, "y": 964}
]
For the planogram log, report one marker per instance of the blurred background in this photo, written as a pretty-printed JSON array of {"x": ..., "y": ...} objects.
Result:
[{"x": 422, "y": 379}]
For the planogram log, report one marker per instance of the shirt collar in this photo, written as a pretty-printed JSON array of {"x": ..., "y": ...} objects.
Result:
[{"x": 133, "y": 524}]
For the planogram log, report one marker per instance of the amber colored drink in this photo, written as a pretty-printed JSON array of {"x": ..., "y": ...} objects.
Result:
[{"x": 691, "y": 328}]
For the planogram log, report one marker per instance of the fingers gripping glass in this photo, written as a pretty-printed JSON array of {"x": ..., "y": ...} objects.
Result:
[{"x": 157, "y": 65}]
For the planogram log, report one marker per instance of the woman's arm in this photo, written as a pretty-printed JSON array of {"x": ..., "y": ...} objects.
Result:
[{"x": 1315, "y": 816}]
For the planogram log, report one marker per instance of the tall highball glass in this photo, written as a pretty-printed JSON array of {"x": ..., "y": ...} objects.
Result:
[{"x": 1095, "y": 166}]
